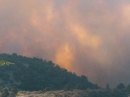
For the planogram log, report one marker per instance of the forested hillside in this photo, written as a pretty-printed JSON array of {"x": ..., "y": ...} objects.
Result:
[{"x": 38, "y": 74}]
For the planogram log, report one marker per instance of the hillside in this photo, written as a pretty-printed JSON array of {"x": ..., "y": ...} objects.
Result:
[{"x": 33, "y": 74}]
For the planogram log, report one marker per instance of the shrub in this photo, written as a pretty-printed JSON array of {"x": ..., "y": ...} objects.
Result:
[
  {"x": 5, "y": 92},
  {"x": 14, "y": 90},
  {"x": 12, "y": 94}
]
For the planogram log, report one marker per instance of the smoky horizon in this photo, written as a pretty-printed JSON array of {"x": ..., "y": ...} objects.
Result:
[{"x": 88, "y": 37}]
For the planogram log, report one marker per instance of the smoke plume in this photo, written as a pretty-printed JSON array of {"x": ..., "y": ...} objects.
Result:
[{"x": 89, "y": 37}]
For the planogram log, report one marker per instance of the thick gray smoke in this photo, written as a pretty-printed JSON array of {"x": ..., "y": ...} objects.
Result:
[{"x": 89, "y": 37}]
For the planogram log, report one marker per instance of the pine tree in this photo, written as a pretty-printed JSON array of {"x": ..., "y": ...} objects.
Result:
[{"x": 107, "y": 87}]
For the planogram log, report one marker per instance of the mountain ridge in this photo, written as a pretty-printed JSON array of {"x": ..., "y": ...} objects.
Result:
[{"x": 34, "y": 74}]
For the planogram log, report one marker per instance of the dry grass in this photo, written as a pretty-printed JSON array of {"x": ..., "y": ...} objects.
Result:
[{"x": 61, "y": 93}]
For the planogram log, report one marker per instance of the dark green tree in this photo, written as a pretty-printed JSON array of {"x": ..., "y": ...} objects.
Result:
[
  {"x": 80, "y": 86},
  {"x": 120, "y": 86},
  {"x": 107, "y": 87},
  {"x": 68, "y": 86},
  {"x": 128, "y": 88}
]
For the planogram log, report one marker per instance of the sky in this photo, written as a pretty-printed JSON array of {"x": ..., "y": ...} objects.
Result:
[{"x": 88, "y": 37}]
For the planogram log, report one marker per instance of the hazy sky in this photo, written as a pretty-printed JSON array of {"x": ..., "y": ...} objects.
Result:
[{"x": 89, "y": 37}]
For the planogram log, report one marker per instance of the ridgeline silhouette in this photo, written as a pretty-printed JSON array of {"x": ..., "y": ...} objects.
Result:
[{"x": 33, "y": 74}]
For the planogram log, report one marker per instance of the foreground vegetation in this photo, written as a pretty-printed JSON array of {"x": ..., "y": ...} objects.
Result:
[
  {"x": 67, "y": 93},
  {"x": 41, "y": 78},
  {"x": 5, "y": 92}
]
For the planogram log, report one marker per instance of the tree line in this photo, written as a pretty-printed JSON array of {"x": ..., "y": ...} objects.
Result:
[{"x": 34, "y": 74}]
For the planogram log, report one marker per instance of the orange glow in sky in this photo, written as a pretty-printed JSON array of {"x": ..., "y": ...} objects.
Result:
[{"x": 88, "y": 37}]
